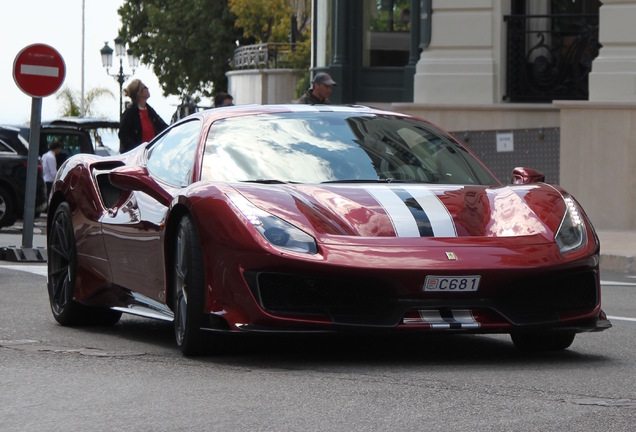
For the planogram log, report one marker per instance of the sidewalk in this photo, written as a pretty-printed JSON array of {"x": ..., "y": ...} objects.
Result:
[
  {"x": 618, "y": 248},
  {"x": 11, "y": 238},
  {"x": 618, "y": 251}
]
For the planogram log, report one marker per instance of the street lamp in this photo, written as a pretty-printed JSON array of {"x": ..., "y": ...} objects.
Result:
[{"x": 107, "y": 62}]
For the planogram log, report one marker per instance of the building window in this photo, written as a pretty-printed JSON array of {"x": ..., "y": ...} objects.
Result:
[
  {"x": 551, "y": 45},
  {"x": 386, "y": 33}
]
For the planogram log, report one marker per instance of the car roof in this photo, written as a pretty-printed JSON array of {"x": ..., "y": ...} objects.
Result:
[
  {"x": 11, "y": 135},
  {"x": 83, "y": 123},
  {"x": 273, "y": 108},
  {"x": 10, "y": 128},
  {"x": 213, "y": 114}
]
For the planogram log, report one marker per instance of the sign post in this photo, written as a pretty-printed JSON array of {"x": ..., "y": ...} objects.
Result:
[{"x": 39, "y": 71}]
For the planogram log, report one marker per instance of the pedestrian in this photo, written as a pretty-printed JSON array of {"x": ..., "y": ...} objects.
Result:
[
  {"x": 49, "y": 164},
  {"x": 223, "y": 99},
  {"x": 320, "y": 90},
  {"x": 139, "y": 122}
]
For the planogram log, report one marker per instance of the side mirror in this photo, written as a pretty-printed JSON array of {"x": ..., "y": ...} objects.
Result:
[
  {"x": 522, "y": 175},
  {"x": 136, "y": 178}
]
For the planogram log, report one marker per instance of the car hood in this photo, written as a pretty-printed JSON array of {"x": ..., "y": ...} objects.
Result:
[{"x": 413, "y": 211}]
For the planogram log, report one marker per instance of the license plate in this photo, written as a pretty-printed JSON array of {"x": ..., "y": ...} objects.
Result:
[{"x": 451, "y": 284}]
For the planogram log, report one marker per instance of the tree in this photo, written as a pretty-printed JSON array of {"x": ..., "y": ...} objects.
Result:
[
  {"x": 71, "y": 101},
  {"x": 257, "y": 18},
  {"x": 188, "y": 43},
  {"x": 278, "y": 20}
]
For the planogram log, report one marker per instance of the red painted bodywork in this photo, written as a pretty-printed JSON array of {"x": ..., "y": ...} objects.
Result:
[{"x": 124, "y": 249}]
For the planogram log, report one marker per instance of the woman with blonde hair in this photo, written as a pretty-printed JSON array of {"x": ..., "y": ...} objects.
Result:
[{"x": 139, "y": 122}]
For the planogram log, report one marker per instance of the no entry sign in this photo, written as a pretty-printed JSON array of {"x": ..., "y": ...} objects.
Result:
[{"x": 39, "y": 70}]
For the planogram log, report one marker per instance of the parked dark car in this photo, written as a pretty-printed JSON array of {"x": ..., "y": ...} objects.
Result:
[
  {"x": 14, "y": 151},
  {"x": 76, "y": 134}
]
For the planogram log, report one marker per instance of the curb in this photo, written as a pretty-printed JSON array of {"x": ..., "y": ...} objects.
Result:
[
  {"x": 618, "y": 263},
  {"x": 22, "y": 254}
]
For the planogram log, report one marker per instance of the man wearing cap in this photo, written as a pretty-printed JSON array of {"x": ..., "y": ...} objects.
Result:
[{"x": 320, "y": 91}]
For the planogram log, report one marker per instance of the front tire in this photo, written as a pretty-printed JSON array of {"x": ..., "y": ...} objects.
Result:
[
  {"x": 553, "y": 341},
  {"x": 188, "y": 284},
  {"x": 62, "y": 273}
]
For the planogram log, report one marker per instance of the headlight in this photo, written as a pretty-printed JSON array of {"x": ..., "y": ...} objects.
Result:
[
  {"x": 278, "y": 232},
  {"x": 571, "y": 235}
]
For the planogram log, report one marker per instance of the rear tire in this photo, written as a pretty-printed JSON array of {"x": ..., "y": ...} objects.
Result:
[
  {"x": 62, "y": 272},
  {"x": 552, "y": 341},
  {"x": 188, "y": 284}
]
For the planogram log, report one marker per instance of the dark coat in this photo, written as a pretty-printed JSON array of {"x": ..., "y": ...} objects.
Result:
[
  {"x": 309, "y": 98},
  {"x": 130, "y": 127}
]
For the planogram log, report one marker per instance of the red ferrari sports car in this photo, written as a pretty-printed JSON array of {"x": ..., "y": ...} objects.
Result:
[{"x": 298, "y": 218}]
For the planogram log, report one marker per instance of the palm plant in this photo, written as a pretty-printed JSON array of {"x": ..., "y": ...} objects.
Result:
[{"x": 71, "y": 101}]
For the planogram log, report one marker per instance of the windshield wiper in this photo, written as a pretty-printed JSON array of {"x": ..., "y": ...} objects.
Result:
[
  {"x": 267, "y": 181},
  {"x": 383, "y": 180}
]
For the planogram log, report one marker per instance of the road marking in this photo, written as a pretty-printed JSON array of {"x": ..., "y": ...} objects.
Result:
[
  {"x": 40, "y": 270},
  {"x": 617, "y": 318},
  {"x": 604, "y": 282}
]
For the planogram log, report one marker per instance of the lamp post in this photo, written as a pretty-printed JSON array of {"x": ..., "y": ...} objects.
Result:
[{"x": 107, "y": 62}]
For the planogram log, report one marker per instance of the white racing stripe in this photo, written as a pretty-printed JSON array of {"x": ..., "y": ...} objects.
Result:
[
  {"x": 434, "y": 319},
  {"x": 403, "y": 221},
  {"x": 458, "y": 319},
  {"x": 441, "y": 220},
  {"x": 402, "y": 218},
  {"x": 465, "y": 318}
]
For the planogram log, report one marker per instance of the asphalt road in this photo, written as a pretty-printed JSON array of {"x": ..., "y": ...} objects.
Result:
[{"x": 131, "y": 377}]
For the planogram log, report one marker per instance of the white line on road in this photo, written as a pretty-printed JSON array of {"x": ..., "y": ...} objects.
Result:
[
  {"x": 35, "y": 269},
  {"x": 603, "y": 282},
  {"x": 617, "y": 318}
]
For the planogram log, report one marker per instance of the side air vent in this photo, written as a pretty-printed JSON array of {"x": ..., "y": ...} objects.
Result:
[{"x": 109, "y": 194}]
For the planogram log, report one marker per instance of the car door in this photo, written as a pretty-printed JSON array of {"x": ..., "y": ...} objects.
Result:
[{"x": 134, "y": 232}]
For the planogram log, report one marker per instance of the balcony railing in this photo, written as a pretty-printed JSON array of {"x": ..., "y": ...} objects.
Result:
[
  {"x": 550, "y": 56},
  {"x": 267, "y": 56}
]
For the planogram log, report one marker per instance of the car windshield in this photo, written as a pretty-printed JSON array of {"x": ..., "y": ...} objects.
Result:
[{"x": 336, "y": 147}]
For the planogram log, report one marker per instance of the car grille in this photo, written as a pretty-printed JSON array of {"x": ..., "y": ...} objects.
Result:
[
  {"x": 344, "y": 301},
  {"x": 524, "y": 301},
  {"x": 534, "y": 300}
]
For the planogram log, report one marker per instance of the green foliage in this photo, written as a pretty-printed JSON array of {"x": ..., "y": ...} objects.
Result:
[
  {"x": 72, "y": 100},
  {"x": 258, "y": 18},
  {"x": 276, "y": 21},
  {"x": 188, "y": 43},
  {"x": 391, "y": 15},
  {"x": 300, "y": 58},
  {"x": 303, "y": 84}
]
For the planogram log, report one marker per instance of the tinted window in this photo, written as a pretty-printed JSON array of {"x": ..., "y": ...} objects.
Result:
[
  {"x": 12, "y": 141},
  {"x": 73, "y": 142},
  {"x": 171, "y": 158},
  {"x": 331, "y": 147},
  {"x": 4, "y": 148}
]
